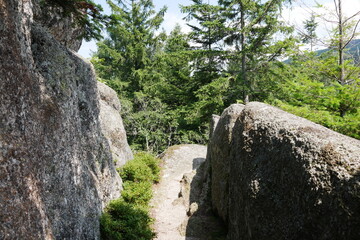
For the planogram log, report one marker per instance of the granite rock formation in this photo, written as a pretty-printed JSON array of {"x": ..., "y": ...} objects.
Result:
[
  {"x": 219, "y": 158},
  {"x": 288, "y": 178},
  {"x": 112, "y": 125},
  {"x": 56, "y": 169}
]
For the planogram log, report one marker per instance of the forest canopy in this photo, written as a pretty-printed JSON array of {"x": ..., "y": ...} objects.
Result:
[{"x": 171, "y": 84}]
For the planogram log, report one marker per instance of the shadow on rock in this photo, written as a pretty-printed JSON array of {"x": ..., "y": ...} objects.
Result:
[{"x": 202, "y": 224}]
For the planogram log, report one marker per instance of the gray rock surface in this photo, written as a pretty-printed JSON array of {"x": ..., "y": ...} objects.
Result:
[
  {"x": 170, "y": 209},
  {"x": 290, "y": 178},
  {"x": 112, "y": 125},
  {"x": 219, "y": 159},
  {"x": 62, "y": 28},
  {"x": 56, "y": 169}
]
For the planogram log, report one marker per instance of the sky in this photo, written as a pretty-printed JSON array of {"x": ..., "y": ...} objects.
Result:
[{"x": 295, "y": 15}]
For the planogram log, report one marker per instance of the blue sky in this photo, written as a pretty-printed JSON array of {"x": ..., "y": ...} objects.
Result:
[{"x": 299, "y": 12}]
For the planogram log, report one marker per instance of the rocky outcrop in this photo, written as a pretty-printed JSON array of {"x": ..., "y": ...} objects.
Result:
[
  {"x": 112, "y": 125},
  {"x": 56, "y": 169},
  {"x": 288, "y": 178},
  {"x": 219, "y": 158},
  {"x": 64, "y": 29}
]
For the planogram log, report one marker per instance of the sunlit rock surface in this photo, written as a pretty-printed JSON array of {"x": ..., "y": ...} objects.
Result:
[
  {"x": 56, "y": 169},
  {"x": 284, "y": 177}
]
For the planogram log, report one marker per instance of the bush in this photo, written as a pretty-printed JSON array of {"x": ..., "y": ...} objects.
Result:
[
  {"x": 348, "y": 125},
  {"x": 127, "y": 218},
  {"x": 137, "y": 193},
  {"x": 152, "y": 162},
  {"x": 123, "y": 221},
  {"x": 144, "y": 167},
  {"x": 136, "y": 171}
]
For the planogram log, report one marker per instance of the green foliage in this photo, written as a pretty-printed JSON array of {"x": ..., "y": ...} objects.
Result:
[
  {"x": 251, "y": 27},
  {"x": 124, "y": 221},
  {"x": 308, "y": 87},
  {"x": 144, "y": 167},
  {"x": 169, "y": 89},
  {"x": 348, "y": 125},
  {"x": 86, "y": 13},
  {"x": 137, "y": 193},
  {"x": 310, "y": 27},
  {"x": 128, "y": 218}
]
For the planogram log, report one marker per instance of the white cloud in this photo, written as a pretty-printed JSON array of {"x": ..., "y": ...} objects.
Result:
[
  {"x": 171, "y": 19},
  {"x": 302, "y": 10}
]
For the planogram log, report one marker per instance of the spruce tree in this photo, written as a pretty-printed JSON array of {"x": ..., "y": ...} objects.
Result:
[
  {"x": 309, "y": 36},
  {"x": 126, "y": 60},
  {"x": 252, "y": 25}
]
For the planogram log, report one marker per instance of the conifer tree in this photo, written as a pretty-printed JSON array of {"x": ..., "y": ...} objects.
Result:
[
  {"x": 251, "y": 26},
  {"x": 131, "y": 43},
  {"x": 310, "y": 26},
  {"x": 126, "y": 60},
  {"x": 207, "y": 35}
]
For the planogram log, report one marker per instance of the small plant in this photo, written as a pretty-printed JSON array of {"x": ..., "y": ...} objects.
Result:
[
  {"x": 144, "y": 167},
  {"x": 138, "y": 193},
  {"x": 124, "y": 221},
  {"x": 128, "y": 218}
]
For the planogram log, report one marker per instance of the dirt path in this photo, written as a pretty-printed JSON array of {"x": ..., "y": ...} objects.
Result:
[{"x": 168, "y": 210}]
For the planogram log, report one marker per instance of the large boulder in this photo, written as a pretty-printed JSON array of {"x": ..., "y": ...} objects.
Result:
[
  {"x": 56, "y": 169},
  {"x": 219, "y": 158},
  {"x": 112, "y": 125},
  {"x": 289, "y": 178}
]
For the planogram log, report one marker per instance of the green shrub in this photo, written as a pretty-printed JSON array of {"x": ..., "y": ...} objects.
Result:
[
  {"x": 136, "y": 171},
  {"x": 123, "y": 221},
  {"x": 127, "y": 218},
  {"x": 137, "y": 193},
  {"x": 152, "y": 162},
  {"x": 347, "y": 125},
  {"x": 144, "y": 167}
]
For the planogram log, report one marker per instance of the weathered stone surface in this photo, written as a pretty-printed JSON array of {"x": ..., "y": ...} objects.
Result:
[
  {"x": 61, "y": 27},
  {"x": 219, "y": 159},
  {"x": 214, "y": 121},
  {"x": 112, "y": 125},
  {"x": 56, "y": 170},
  {"x": 291, "y": 178}
]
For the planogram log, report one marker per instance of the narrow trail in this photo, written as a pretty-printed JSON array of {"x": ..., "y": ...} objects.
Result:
[{"x": 169, "y": 211}]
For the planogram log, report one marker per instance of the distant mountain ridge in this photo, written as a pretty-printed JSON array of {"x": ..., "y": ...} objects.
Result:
[{"x": 353, "y": 50}]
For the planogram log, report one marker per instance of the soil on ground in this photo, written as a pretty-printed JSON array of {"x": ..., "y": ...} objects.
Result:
[{"x": 181, "y": 206}]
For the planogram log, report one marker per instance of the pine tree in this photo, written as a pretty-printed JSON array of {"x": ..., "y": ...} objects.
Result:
[
  {"x": 310, "y": 35},
  {"x": 207, "y": 35},
  {"x": 251, "y": 28},
  {"x": 126, "y": 60},
  {"x": 131, "y": 43}
]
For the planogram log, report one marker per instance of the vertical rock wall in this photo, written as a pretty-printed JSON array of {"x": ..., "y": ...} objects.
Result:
[
  {"x": 219, "y": 158},
  {"x": 288, "y": 178},
  {"x": 112, "y": 125},
  {"x": 56, "y": 169}
]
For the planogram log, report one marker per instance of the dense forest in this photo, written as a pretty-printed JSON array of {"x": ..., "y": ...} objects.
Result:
[{"x": 171, "y": 84}]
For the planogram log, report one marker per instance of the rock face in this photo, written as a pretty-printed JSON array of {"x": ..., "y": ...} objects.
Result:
[
  {"x": 112, "y": 125},
  {"x": 219, "y": 158},
  {"x": 56, "y": 169},
  {"x": 289, "y": 178}
]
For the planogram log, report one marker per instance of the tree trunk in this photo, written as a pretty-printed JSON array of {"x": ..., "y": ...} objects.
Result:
[
  {"x": 243, "y": 53},
  {"x": 341, "y": 45}
]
